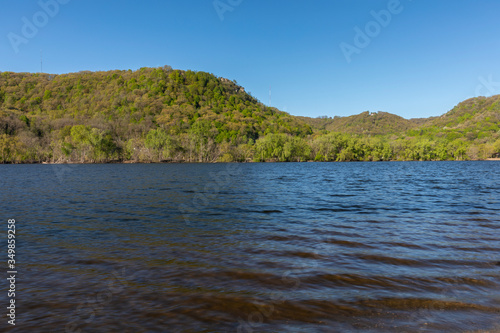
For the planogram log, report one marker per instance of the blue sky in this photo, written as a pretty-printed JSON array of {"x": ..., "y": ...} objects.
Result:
[{"x": 419, "y": 59}]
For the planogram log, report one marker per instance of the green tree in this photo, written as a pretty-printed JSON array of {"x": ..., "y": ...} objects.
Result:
[
  {"x": 8, "y": 148},
  {"x": 160, "y": 142}
]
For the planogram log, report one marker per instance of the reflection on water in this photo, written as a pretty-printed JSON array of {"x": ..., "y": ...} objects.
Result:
[{"x": 312, "y": 247}]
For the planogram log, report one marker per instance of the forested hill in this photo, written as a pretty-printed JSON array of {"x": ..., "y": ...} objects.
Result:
[
  {"x": 161, "y": 114},
  {"x": 480, "y": 114},
  {"x": 197, "y": 110},
  {"x": 367, "y": 123},
  {"x": 475, "y": 117},
  {"x": 173, "y": 99}
]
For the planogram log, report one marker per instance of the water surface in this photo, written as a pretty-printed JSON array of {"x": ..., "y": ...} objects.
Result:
[{"x": 310, "y": 247}]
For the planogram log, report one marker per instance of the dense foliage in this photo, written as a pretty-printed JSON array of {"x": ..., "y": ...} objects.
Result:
[
  {"x": 367, "y": 123},
  {"x": 160, "y": 114}
]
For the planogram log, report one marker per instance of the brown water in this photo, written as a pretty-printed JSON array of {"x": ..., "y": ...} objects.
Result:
[{"x": 312, "y": 247}]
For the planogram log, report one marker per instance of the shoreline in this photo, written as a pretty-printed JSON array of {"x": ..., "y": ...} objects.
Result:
[{"x": 184, "y": 162}]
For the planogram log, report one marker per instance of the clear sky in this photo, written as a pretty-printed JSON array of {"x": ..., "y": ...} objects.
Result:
[{"x": 418, "y": 58}]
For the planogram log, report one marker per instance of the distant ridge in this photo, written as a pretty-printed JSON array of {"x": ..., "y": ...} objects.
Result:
[
  {"x": 478, "y": 112},
  {"x": 372, "y": 123}
]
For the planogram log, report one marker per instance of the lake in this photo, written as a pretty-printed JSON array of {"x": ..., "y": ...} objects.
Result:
[{"x": 294, "y": 247}]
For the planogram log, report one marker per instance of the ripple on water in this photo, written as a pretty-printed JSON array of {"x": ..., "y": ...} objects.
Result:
[{"x": 375, "y": 247}]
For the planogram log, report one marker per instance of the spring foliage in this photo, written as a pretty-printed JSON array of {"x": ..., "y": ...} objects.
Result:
[{"x": 161, "y": 114}]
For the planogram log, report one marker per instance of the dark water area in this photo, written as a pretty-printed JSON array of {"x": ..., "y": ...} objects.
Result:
[{"x": 298, "y": 247}]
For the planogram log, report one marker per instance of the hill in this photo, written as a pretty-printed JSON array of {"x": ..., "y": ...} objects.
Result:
[
  {"x": 366, "y": 123},
  {"x": 473, "y": 124},
  {"x": 480, "y": 114},
  {"x": 161, "y": 114},
  {"x": 202, "y": 112}
]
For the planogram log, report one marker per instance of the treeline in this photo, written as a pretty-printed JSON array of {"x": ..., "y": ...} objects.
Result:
[
  {"x": 166, "y": 115},
  {"x": 85, "y": 144}
]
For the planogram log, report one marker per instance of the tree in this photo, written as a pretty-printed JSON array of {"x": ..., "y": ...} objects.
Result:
[
  {"x": 160, "y": 142},
  {"x": 296, "y": 149},
  {"x": 8, "y": 145},
  {"x": 92, "y": 144}
]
